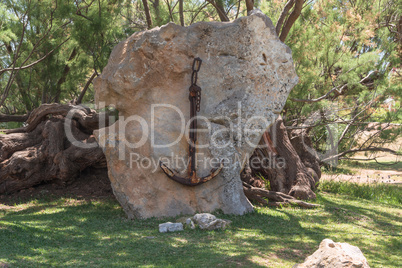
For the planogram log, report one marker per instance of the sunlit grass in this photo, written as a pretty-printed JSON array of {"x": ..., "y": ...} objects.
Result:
[
  {"x": 76, "y": 233},
  {"x": 379, "y": 192}
]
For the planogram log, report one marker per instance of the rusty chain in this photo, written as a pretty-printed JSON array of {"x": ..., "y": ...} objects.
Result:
[{"x": 195, "y": 91}]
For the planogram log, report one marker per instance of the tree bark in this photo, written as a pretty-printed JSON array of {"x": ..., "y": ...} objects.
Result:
[
  {"x": 147, "y": 13},
  {"x": 291, "y": 19},
  {"x": 84, "y": 90},
  {"x": 181, "y": 15},
  {"x": 42, "y": 151},
  {"x": 249, "y": 5},
  {"x": 13, "y": 118},
  {"x": 279, "y": 160},
  {"x": 218, "y": 4},
  {"x": 276, "y": 199},
  {"x": 284, "y": 14}
]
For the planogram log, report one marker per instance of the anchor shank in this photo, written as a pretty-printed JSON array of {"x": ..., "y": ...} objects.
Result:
[
  {"x": 195, "y": 100},
  {"x": 192, "y": 134}
]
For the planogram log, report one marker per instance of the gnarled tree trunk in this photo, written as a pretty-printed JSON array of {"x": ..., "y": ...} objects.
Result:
[
  {"x": 42, "y": 151},
  {"x": 289, "y": 164}
]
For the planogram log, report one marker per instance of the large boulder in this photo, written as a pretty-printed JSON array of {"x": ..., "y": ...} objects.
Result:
[
  {"x": 246, "y": 76},
  {"x": 335, "y": 255}
]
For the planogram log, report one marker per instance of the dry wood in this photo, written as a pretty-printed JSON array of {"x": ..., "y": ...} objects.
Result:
[
  {"x": 276, "y": 199},
  {"x": 41, "y": 151},
  {"x": 13, "y": 118},
  {"x": 87, "y": 118},
  {"x": 294, "y": 179}
]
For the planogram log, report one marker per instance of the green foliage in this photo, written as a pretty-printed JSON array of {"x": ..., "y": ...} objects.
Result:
[
  {"x": 10, "y": 125},
  {"x": 266, "y": 181},
  {"x": 81, "y": 35},
  {"x": 338, "y": 44}
]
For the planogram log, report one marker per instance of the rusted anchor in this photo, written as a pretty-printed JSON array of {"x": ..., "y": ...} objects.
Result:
[{"x": 195, "y": 101}]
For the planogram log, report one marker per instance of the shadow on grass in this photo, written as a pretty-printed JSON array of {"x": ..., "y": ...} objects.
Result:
[
  {"x": 93, "y": 234},
  {"x": 374, "y": 229}
]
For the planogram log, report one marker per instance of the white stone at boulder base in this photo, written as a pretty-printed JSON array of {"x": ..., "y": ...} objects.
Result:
[
  {"x": 246, "y": 76},
  {"x": 207, "y": 221},
  {"x": 190, "y": 223},
  {"x": 170, "y": 227},
  {"x": 335, "y": 255}
]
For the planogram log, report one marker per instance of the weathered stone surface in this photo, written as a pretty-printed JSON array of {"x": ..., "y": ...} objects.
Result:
[
  {"x": 335, "y": 255},
  {"x": 219, "y": 224},
  {"x": 189, "y": 223},
  {"x": 207, "y": 221},
  {"x": 204, "y": 219},
  {"x": 170, "y": 227},
  {"x": 246, "y": 72}
]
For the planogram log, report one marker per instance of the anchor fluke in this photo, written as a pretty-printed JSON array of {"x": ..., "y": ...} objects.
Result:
[{"x": 192, "y": 180}]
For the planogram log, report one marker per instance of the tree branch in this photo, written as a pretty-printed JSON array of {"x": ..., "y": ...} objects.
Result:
[
  {"x": 291, "y": 19},
  {"x": 181, "y": 12},
  {"x": 338, "y": 89},
  {"x": 147, "y": 13},
  {"x": 220, "y": 9},
  {"x": 170, "y": 10},
  {"x": 276, "y": 199},
  {"x": 368, "y": 149},
  {"x": 249, "y": 5},
  {"x": 13, "y": 118},
  {"x": 84, "y": 90},
  {"x": 64, "y": 75},
  {"x": 198, "y": 12},
  {"x": 33, "y": 63},
  {"x": 283, "y": 15}
]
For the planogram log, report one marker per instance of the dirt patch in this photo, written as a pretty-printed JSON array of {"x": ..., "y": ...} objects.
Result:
[
  {"x": 368, "y": 176},
  {"x": 92, "y": 184},
  {"x": 364, "y": 170}
]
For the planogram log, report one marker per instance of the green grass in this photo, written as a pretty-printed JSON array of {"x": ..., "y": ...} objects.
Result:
[
  {"x": 383, "y": 193},
  {"x": 340, "y": 169},
  {"x": 67, "y": 232}
]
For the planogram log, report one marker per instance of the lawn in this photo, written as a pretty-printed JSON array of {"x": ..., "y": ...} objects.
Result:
[{"x": 67, "y": 232}]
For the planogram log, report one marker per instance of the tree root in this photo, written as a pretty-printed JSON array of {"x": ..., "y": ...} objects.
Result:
[
  {"x": 44, "y": 151},
  {"x": 275, "y": 199}
]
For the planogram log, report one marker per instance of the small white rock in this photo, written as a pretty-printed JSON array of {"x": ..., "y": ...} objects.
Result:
[
  {"x": 207, "y": 221},
  {"x": 204, "y": 219},
  {"x": 190, "y": 223},
  {"x": 170, "y": 227}
]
